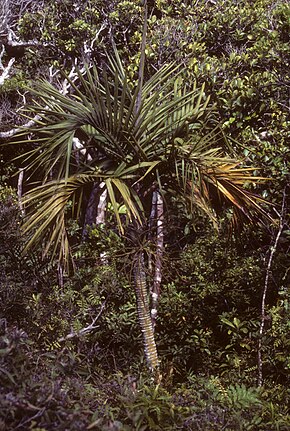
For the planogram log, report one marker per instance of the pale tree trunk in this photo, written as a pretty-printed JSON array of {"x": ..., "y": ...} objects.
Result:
[
  {"x": 155, "y": 293},
  {"x": 20, "y": 190},
  {"x": 102, "y": 205},
  {"x": 151, "y": 226},
  {"x": 143, "y": 310},
  {"x": 266, "y": 286},
  {"x": 96, "y": 213}
]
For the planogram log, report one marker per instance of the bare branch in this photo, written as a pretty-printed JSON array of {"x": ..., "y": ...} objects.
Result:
[
  {"x": 64, "y": 89},
  {"x": 6, "y": 71},
  {"x": 89, "y": 328},
  {"x": 103, "y": 26},
  {"x": 4, "y": 13},
  {"x": 13, "y": 132},
  {"x": 1, "y": 56}
]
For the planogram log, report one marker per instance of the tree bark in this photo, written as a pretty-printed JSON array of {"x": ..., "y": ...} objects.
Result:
[
  {"x": 155, "y": 293},
  {"x": 20, "y": 190},
  {"x": 143, "y": 310},
  {"x": 151, "y": 226},
  {"x": 91, "y": 210},
  {"x": 96, "y": 208},
  {"x": 102, "y": 205}
]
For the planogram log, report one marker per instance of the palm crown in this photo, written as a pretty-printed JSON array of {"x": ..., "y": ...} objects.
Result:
[{"x": 166, "y": 141}]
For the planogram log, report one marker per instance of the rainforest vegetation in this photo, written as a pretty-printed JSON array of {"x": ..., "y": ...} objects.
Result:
[{"x": 144, "y": 215}]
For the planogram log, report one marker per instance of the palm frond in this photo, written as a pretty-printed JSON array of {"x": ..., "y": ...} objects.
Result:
[
  {"x": 129, "y": 198},
  {"x": 47, "y": 206}
]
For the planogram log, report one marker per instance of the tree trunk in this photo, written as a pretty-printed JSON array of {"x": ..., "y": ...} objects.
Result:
[
  {"x": 266, "y": 286},
  {"x": 96, "y": 208},
  {"x": 155, "y": 294},
  {"x": 20, "y": 190},
  {"x": 143, "y": 310},
  {"x": 102, "y": 205}
]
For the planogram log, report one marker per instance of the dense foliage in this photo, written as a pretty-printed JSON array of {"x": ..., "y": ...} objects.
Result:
[{"x": 71, "y": 352}]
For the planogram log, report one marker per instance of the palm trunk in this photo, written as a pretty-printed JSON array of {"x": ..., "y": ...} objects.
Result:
[{"x": 143, "y": 310}]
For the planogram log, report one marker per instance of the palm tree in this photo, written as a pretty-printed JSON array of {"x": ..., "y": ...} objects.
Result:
[{"x": 168, "y": 146}]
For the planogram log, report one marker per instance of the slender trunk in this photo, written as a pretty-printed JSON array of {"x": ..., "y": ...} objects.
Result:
[
  {"x": 96, "y": 208},
  {"x": 102, "y": 205},
  {"x": 60, "y": 275},
  {"x": 265, "y": 290},
  {"x": 159, "y": 255},
  {"x": 20, "y": 190},
  {"x": 144, "y": 312},
  {"x": 101, "y": 215},
  {"x": 151, "y": 226}
]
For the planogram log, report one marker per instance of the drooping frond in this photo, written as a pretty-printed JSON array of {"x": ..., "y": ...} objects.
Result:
[
  {"x": 49, "y": 206},
  {"x": 229, "y": 182},
  {"x": 220, "y": 180}
]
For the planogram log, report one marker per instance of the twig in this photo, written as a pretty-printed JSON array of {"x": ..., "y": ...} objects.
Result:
[
  {"x": 103, "y": 26},
  {"x": 89, "y": 328},
  {"x": 60, "y": 275},
  {"x": 38, "y": 414},
  {"x": 266, "y": 286},
  {"x": 14, "y": 41}
]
